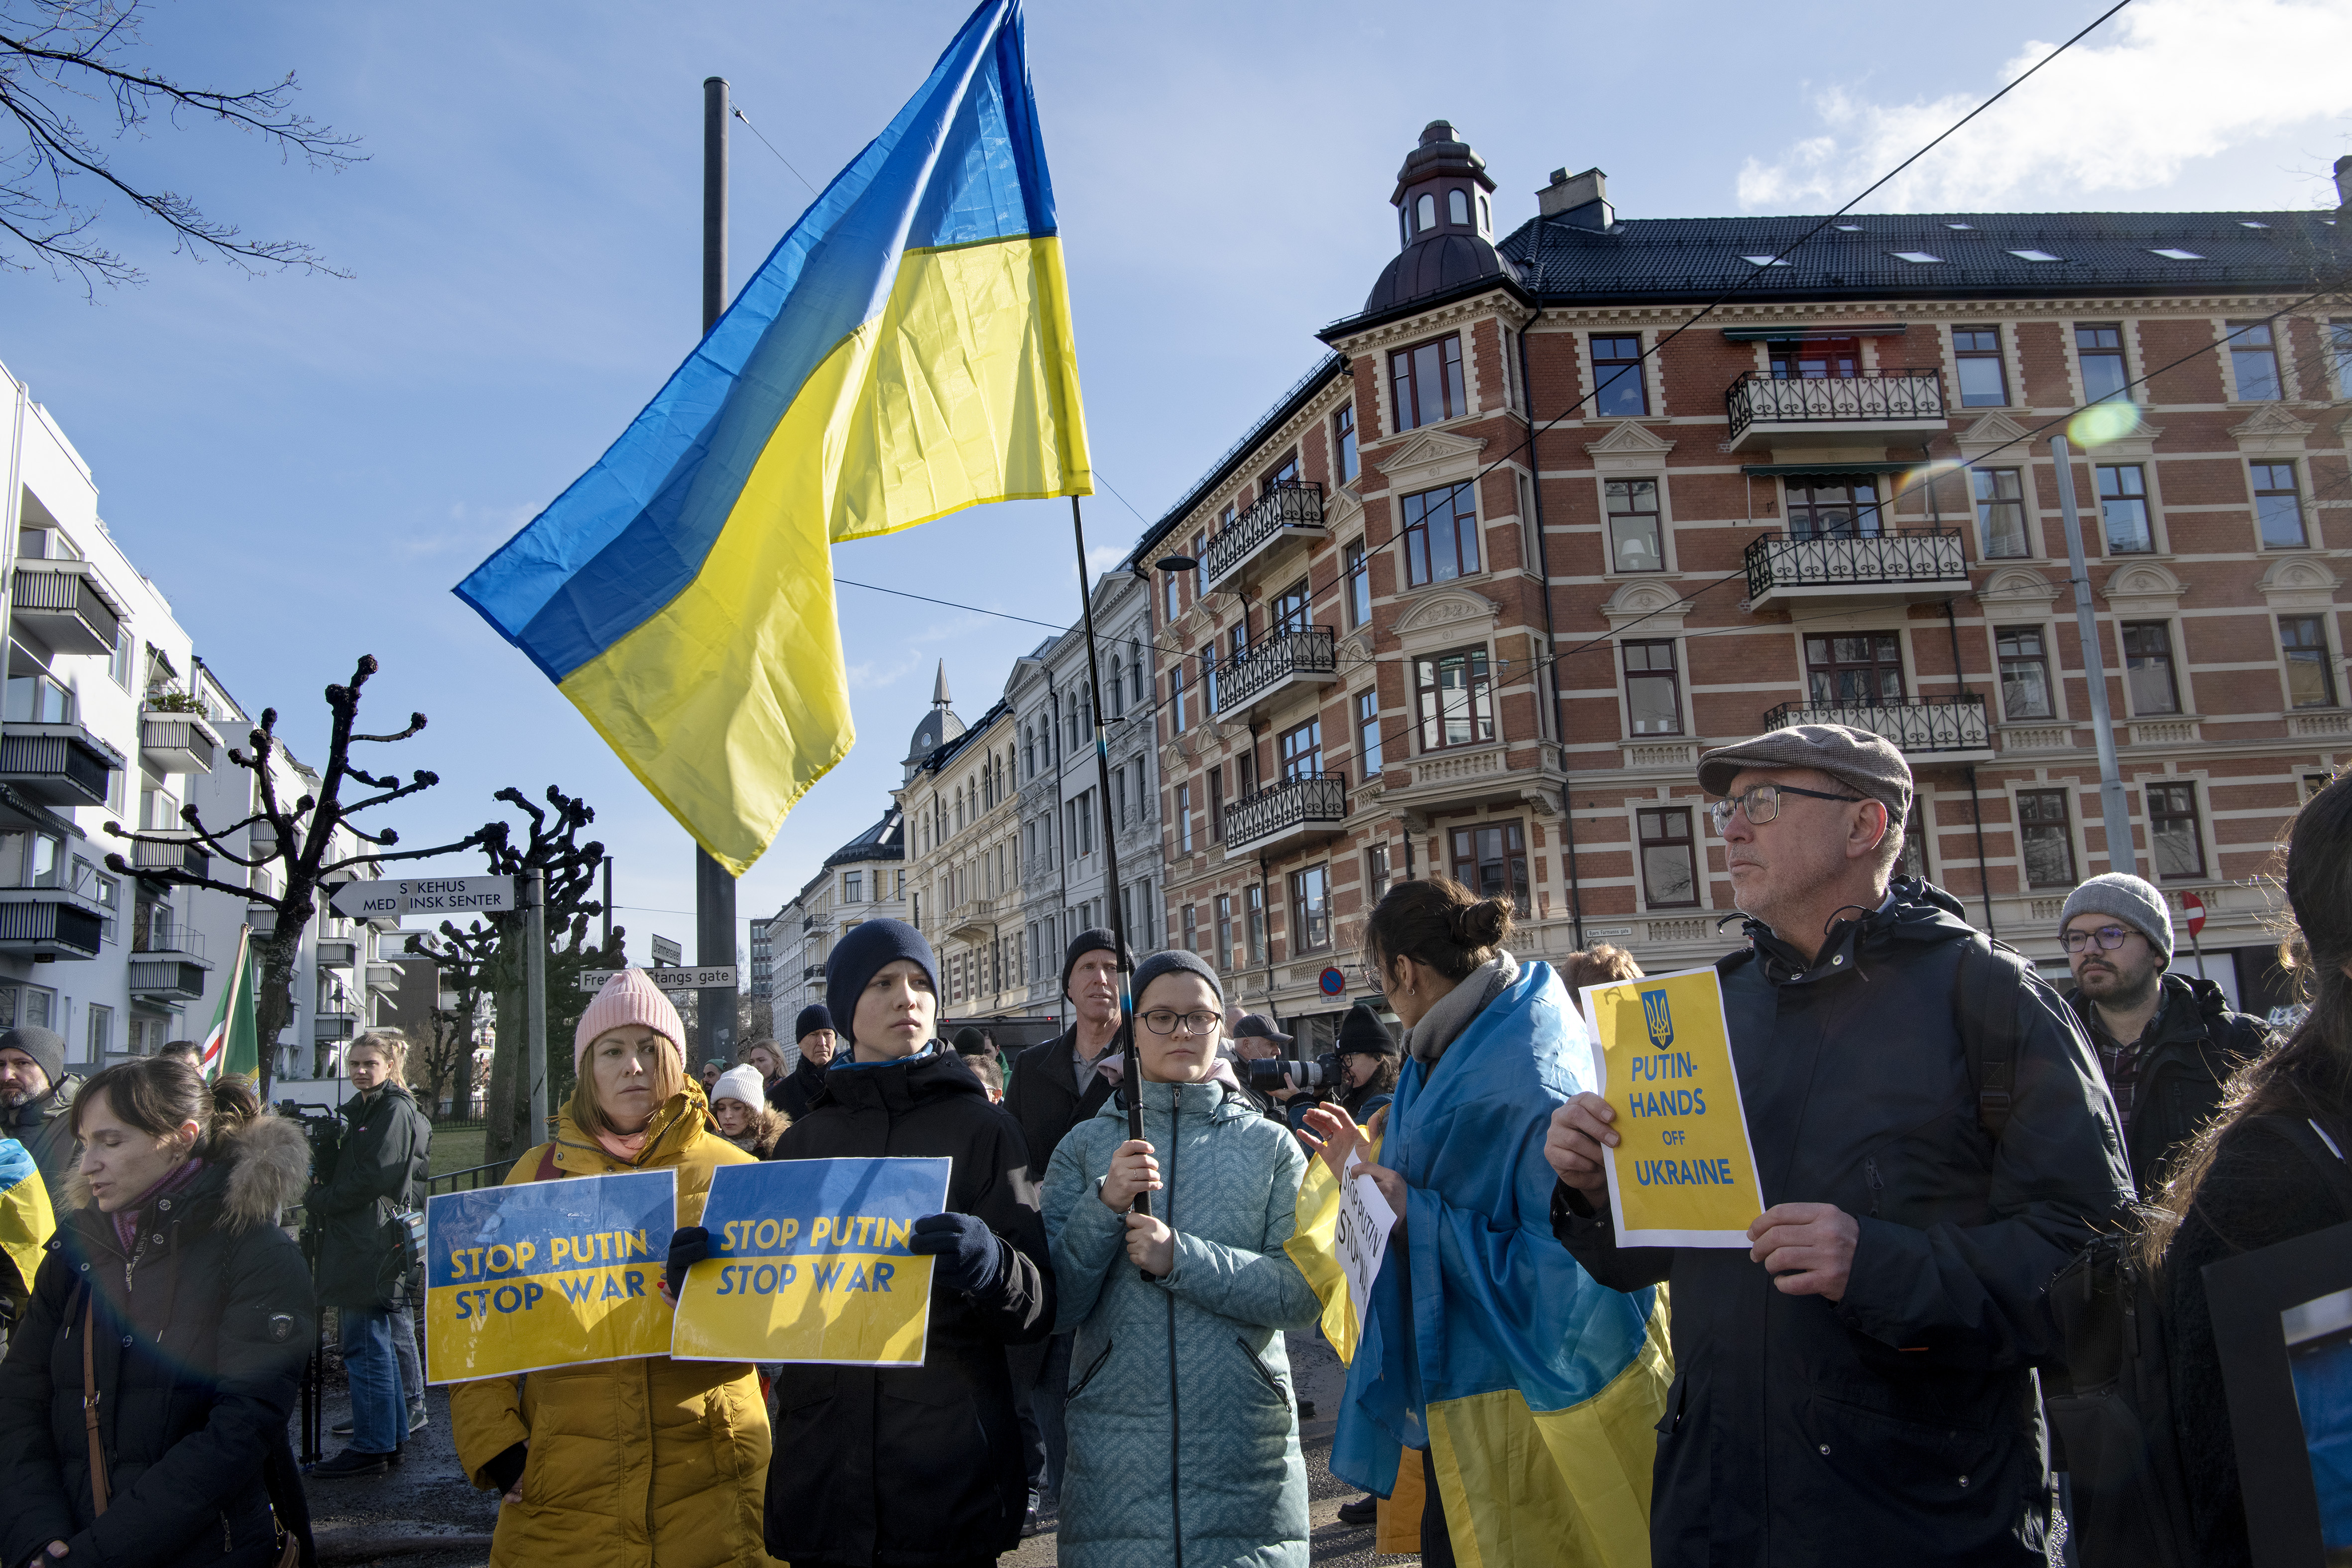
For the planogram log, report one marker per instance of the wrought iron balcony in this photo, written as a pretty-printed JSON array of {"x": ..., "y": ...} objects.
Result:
[
  {"x": 1947, "y": 729},
  {"x": 1287, "y": 512},
  {"x": 1273, "y": 664},
  {"x": 64, "y": 603},
  {"x": 171, "y": 740},
  {"x": 1767, "y": 411},
  {"x": 1885, "y": 565},
  {"x": 166, "y": 980},
  {"x": 46, "y": 928},
  {"x": 63, "y": 764},
  {"x": 1301, "y": 806}
]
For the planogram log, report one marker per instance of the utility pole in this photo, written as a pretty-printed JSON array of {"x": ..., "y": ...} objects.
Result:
[
  {"x": 534, "y": 984},
  {"x": 714, "y": 886},
  {"x": 2112, "y": 806}
]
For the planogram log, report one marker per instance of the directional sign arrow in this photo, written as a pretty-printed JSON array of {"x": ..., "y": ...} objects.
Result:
[
  {"x": 423, "y": 896},
  {"x": 668, "y": 979}
]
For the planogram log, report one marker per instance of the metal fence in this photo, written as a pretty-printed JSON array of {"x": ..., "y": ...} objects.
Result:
[
  {"x": 1291, "y": 803},
  {"x": 1297, "y": 505},
  {"x": 1889, "y": 394},
  {"x": 1273, "y": 659},
  {"x": 1898, "y": 555},
  {"x": 1931, "y": 724}
]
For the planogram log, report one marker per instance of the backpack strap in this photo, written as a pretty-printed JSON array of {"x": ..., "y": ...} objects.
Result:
[{"x": 1986, "y": 986}]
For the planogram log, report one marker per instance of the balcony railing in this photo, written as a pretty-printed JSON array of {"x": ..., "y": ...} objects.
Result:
[
  {"x": 49, "y": 927},
  {"x": 176, "y": 854},
  {"x": 1940, "y": 724},
  {"x": 63, "y": 764},
  {"x": 166, "y": 980},
  {"x": 175, "y": 742},
  {"x": 170, "y": 940},
  {"x": 1874, "y": 398},
  {"x": 1302, "y": 803},
  {"x": 1283, "y": 509},
  {"x": 1842, "y": 564},
  {"x": 1273, "y": 662},
  {"x": 64, "y": 604}
]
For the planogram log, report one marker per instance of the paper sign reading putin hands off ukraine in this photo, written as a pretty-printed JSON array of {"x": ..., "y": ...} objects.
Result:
[
  {"x": 1685, "y": 1175},
  {"x": 809, "y": 1263}
]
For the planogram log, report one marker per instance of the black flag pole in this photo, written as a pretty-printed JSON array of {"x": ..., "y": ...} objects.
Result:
[{"x": 1125, "y": 1038}]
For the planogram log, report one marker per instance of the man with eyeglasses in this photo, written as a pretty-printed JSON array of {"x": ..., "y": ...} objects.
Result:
[
  {"x": 2167, "y": 1043},
  {"x": 1856, "y": 1384}
]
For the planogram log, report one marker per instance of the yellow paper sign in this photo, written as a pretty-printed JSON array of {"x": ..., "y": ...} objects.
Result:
[
  {"x": 810, "y": 1262},
  {"x": 1685, "y": 1175}
]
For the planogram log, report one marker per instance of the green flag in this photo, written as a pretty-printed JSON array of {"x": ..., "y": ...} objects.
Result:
[{"x": 232, "y": 1045}]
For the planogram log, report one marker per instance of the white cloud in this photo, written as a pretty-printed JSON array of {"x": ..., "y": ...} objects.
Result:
[{"x": 2128, "y": 109}]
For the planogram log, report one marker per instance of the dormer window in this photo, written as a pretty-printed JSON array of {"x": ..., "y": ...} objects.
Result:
[
  {"x": 1457, "y": 207},
  {"x": 1425, "y": 212}
]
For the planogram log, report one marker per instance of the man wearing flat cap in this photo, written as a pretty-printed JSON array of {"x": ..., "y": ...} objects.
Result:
[{"x": 1857, "y": 1384}]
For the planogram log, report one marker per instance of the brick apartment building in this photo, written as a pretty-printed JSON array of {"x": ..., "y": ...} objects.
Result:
[{"x": 1416, "y": 619}]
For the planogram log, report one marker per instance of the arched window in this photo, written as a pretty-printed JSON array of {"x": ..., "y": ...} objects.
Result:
[
  {"x": 1458, "y": 208},
  {"x": 1138, "y": 680},
  {"x": 1118, "y": 688},
  {"x": 1425, "y": 213},
  {"x": 1486, "y": 215}
]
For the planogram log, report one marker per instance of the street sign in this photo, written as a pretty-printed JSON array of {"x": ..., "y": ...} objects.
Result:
[
  {"x": 1332, "y": 981},
  {"x": 2196, "y": 907},
  {"x": 1604, "y": 933},
  {"x": 666, "y": 952},
  {"x": 423, "y": 896},
  {"x": 669, "y": 979}
]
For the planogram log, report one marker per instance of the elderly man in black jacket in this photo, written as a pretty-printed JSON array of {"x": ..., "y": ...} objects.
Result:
[
  {"x": 1055, "y": 1087},
  {"x": 2167, "y": 1043},
  {"x": 1856, "y": 1384},
  {"x": 364, "y": 1252}
]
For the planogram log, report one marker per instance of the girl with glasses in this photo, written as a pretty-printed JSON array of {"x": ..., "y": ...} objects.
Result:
[{"x": 1183, "y": 1428}]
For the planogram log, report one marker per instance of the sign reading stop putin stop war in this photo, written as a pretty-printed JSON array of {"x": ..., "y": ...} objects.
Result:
[
  {"x": 546, "y": 1274},
  {"x": 1685, "y": 1175},
  {"x": 809, "y": 1263}
]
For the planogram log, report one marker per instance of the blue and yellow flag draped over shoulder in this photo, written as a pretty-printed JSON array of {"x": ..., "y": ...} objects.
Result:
[
  {"x": 905, "y": 353},
  {"x": 1534, "y": 1387},
  {"x": 25, "y": 1221}
]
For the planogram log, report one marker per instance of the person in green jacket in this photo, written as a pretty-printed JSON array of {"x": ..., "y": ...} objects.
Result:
[{"x": 1183, "y": 1427}]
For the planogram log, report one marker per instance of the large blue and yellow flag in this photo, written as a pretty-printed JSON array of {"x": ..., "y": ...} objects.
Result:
[
  {"x": 905, "y": 353},
  {"x": 1534, "y": 1388},
  {"x": 26, "y": 1221}
]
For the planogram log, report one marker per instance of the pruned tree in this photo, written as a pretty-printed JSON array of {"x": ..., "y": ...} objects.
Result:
[
  {"x": 445, "y": 1056},
  {"x": 56, "y": 55},
  {"x": 293, "y": 845}
]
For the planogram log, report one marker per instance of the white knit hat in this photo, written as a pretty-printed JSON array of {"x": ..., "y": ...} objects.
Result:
[
  {"x": 627, "y": 998},
  {"x": 742, "y": 1083}
]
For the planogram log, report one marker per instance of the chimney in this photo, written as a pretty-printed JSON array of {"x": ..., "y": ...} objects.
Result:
[
  {"x": 2344, "y": 181},
  {"x": 1580, "y": 200}
]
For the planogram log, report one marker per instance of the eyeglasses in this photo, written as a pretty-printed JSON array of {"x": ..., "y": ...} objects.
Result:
[
  {"x": 2109, "y": 938},
  {"x": 1166, "y": 1021},
  {"x": 1762, "y": 804}
]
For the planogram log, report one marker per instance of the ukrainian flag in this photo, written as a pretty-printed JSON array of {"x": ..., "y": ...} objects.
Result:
[
  {"x": 26, "y": 1222},
  {"x": 905, "y": 353},
  {"x": 1536, "y": 1389}
]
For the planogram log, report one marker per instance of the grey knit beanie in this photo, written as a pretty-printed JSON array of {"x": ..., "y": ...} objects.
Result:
[
  {"x": 1175, "y": 961},
  {"x": 2130, "y": 900}
]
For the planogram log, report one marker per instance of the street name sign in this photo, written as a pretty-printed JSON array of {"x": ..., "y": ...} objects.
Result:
[
  {"x": 423, "y": 896},
  {"x": 668, "y": 979},
  {"x": 666, "y": 952}
]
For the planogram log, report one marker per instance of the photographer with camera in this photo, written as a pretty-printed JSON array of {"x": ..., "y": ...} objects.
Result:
[{"x": 363, "y": 1258}]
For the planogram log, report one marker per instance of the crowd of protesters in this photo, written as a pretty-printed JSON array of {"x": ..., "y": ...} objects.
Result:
[{"x": 1938, "y": 1132}]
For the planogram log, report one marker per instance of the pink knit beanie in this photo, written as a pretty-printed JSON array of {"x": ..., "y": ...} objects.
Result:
[{"x": 627, "y": 998}]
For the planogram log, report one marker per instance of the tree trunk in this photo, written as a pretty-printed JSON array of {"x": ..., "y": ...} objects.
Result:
[
  {"x": 507, "y": 1131},
  {"x": 461, "y": 1092},
  {"x": 273, "y": 997}
]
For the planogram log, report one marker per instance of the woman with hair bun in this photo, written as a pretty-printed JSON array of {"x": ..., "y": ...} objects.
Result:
[
  {"x": 1525, "y": 1384},
  {"x": 169, "y": 1291}
]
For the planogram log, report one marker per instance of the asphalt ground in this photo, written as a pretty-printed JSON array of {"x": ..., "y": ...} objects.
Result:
[{"x": 424, "y": 1514}]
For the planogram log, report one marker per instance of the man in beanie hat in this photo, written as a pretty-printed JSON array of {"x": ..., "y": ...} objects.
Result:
[
  {"x": 857, "y": 1432},
  {"x": 1913, "y": 1224},
  {"x": 2166, "y": 1042},
  {"x": 795, "y": 1091},
  {"x": 35, "y": 1093},
  {"x": 1054, "y": 1088}
]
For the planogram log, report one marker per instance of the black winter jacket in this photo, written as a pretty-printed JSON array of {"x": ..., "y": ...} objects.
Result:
[
  {"x": 1899, "y": 1424},
  {"x": 198, "y": 1357},
  {"x": 2197, "y": 1044},
  {"x": 921, "y": 1465},
  {"x": 795, "y": 1091},
  {"x": 381, "y": 1170},
  {"x": 46, "y": 1130},
  {"x": 1044, "y": 1097}
]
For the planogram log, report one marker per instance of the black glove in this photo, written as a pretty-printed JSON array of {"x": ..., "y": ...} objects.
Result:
[
  {"x": 971, "y": 1258},
  {"x": 687, "y": 1246},
  {"x": 507, "y": 1468}
]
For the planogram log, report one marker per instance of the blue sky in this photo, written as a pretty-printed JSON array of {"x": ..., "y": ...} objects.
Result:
[{"x": 306, "y": 464}]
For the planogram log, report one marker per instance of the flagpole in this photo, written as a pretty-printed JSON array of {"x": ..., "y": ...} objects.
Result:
[
  {"x": 714, "y": 885},
  {"x": 1133, "y": 1073}
]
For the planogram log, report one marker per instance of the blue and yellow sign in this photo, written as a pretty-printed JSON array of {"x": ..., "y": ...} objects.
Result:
[
  {"x": 547, "y": 1274},
  {"x": 809, "y": 1263}
]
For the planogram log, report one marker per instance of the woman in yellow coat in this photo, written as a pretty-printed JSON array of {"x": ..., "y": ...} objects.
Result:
[{"x": 624, "y": 1464}]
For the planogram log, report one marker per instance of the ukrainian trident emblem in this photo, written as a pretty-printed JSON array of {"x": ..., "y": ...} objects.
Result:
[{"x": 1660, "y": 1018}]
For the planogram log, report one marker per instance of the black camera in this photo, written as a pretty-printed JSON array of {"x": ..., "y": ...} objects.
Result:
[
  {"x": 323, "y": 1126},
  {"x": 1323, "y": 1072}
]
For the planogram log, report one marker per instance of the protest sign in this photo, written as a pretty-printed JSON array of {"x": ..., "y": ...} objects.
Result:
[
  {"x": 547, "y": 1274},
  {"x": 1361, "y": 1236},
  {"x": 809, "y": 1263},
  {"x": 1685, "y": 1175}
]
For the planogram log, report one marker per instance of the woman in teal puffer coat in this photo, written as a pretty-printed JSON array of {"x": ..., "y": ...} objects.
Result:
[{"x": 1183, "y": 1431}]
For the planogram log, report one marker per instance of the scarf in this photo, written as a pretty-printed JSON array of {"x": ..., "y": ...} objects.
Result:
[
  {"x": 1426, "y": 1041},
  {"x": 126, "y": 1219}
]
